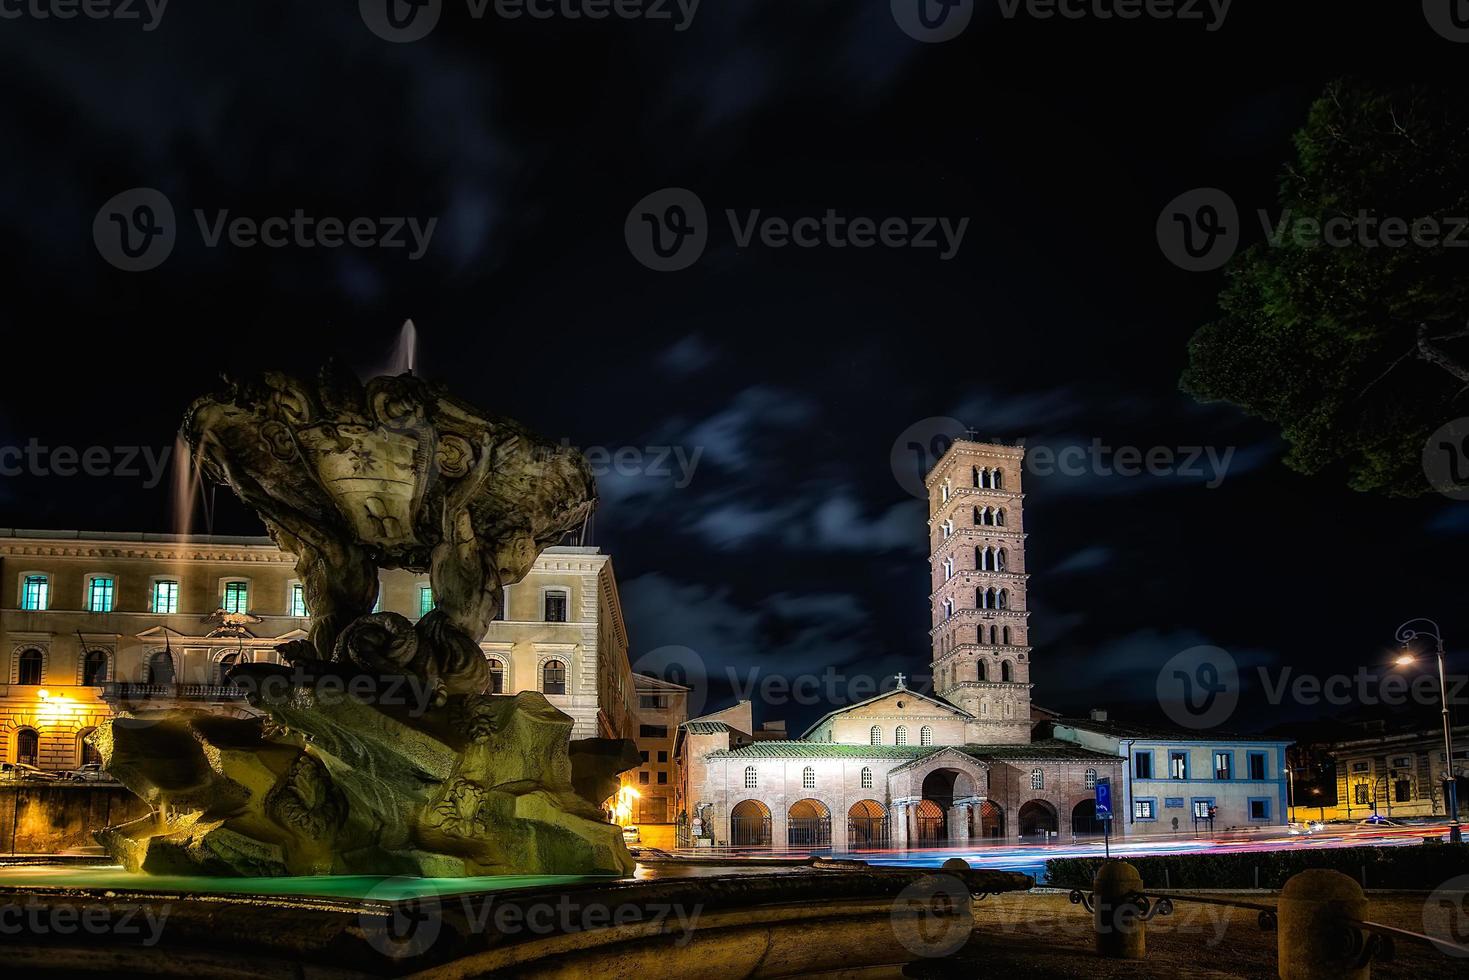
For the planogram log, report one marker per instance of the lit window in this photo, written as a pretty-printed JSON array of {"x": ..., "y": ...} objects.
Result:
[
  {"x": 874, "y": 735},
  {"x": 425, "y": 599},
  {"x": 750, "y": 779},
  {"x": 165, "y": 597},
  {"x": 497, "y": 676},
  {"x": 298, "y": 600},
  {"x": 1037, "y": 779},
  {"x": 555, "y": 607},
  {"x": 553, "y": 677},
  {"x": 925, "y": 735},
  {"x": 99, "y": 594},
  {"x": 900, "y": 737},
  {"x": 34, "y": 593},
  {"x": 236, "y": 597},
  {"x": 1223, "y": 765},
  {"x": 1091, "y": 779},
  {"x": 1143, "y": 809},
  {"x": 808, "y": 778},
  {"x": 1177, "y": 765},
  {"x": 1201, "y": 809},
  {"x": 30, "y": 667},
  {"x": 866, "y": 777}
]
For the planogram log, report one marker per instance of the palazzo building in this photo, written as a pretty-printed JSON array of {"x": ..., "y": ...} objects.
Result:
[
  {"x": 92, "y": 623},
  {"x": 908, "y": 768}
]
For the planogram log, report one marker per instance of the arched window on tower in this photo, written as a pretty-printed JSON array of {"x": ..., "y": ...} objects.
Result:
[
  {"x": 993, "y": 635},
  {"x": 999, "y": 480},
  {"x": 1007, "y": 635},
  {"x": 925, "y": 735},
  {"x": 981, "y": 671},
  {"x": 978, "y": 516},
  {"x": 1002, "y": 599},
  {"x": 948, "y": 608},
  {"x": 1000, "y": 559},
  {"x": 900, "y": 736},
  {"x": 999, "y": 518},
  {"x": 866, "y": 777},
  {"x": 948, "y": 569},
  {"x": 977, "y": 477},
  {"x": 982, "y": 598},
  {"x": 874, "y": 735},
  {"x": 1007, "y": 673}
]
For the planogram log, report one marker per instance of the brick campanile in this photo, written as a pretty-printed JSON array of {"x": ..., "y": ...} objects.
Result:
[{"x": 981, "y": 631}]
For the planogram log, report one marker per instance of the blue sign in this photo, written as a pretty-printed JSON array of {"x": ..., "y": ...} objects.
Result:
[{"x": 1104, "y": 799}]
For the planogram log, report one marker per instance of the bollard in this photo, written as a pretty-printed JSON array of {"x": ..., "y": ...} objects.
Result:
[
  {"x": 1121, "y": 934},
  {"x": 1315, "y": 941}
]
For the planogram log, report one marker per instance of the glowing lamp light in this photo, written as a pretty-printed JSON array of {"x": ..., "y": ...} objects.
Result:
[
  {"x": 622, "y": 806},
  {"x": 1404, "y": 659}
]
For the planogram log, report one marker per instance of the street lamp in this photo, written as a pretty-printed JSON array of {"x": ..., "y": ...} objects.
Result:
[{"x": 1406, "y": 635}]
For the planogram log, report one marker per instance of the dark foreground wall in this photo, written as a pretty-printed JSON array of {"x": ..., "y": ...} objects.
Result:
[{"x": 50, "y": 818}]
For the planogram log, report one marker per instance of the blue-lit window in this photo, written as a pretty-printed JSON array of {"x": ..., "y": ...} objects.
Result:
[
  {"x": 1142, "y": 765},
  {"x": 298, "y": 600},
  {"x": 165, "y": 597},
  {"x": 1257, "y": 765},
  {"x": 237, "y": 597},
  {"x": 1145, "y": 809},
  {"x": 35, "y": 593},
  {"x": 1259, "y": 808},
  {"x": 425, "y": 599},
  {"x": 99, "y": 593}
]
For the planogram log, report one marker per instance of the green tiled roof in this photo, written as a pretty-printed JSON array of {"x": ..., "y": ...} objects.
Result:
[
  {"x": 1049, "y": 749},
  {"x": 706, "y": 727}
]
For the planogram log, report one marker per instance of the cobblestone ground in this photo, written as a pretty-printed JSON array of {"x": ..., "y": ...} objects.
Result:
[{"x": 1044, "y": 935}]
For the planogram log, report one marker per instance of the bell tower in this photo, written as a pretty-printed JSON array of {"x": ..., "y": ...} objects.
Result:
[{"x": 981, "y": 618}]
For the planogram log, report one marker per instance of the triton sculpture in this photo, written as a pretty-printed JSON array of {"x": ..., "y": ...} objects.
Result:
[{"x": 377, "y": 751}]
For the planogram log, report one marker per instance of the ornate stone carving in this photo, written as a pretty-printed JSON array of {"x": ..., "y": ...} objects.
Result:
[{"x": 379, "y": 751}]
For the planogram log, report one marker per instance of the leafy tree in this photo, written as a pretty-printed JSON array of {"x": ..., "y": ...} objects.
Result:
[{"x": 1358, "y": 353}]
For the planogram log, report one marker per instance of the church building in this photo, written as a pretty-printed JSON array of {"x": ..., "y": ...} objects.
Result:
[{"x": 907, "y": 768}]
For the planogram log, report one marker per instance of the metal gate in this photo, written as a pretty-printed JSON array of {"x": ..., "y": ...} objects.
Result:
[
  {"x": 809, "y": 831},
  {"x": 749, "y": 830},
  {"x": 867, "y": 832},
  {"x": 932, "y": 825}
]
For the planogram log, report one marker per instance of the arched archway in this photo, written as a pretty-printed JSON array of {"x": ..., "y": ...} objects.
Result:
[
  {"x": 749, "y": 824},
  {"x": 1084, "y": 820},
  {"x": 27, "y": 746},
  {"x": 932, "y": 822},
  {"x": 1036, "y": 818},
  {"x": 991, "y": 820},
  {"x": 867, "y": 825},
  {"x": 808, "y": 824},
  {"x": 160, "y": 668}
]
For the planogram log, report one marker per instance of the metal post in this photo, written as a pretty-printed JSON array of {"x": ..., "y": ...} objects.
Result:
[{"x": 1451, "y": 783}]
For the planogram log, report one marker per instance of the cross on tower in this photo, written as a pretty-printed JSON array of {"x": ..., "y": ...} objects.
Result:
[{"x": 900, "y": 678}]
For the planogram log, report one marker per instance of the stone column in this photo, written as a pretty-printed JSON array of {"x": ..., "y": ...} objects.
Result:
[{"x": 898, "y": 825}]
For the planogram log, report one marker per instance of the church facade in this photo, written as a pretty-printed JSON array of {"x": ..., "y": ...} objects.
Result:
[{"x": 908, "y": 768}]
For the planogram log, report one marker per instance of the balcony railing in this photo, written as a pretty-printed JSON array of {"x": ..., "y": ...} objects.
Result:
[{"x": 120, "y": 691}]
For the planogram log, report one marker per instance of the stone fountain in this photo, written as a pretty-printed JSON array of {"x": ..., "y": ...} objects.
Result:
[{"x": 376, "y": 749}]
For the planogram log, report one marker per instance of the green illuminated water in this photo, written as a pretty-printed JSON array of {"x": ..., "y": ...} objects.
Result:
[{"x": 371, "y": 887}]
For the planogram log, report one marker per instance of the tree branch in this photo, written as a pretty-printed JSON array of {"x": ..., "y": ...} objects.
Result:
[{"x": 1428, "y": 351}]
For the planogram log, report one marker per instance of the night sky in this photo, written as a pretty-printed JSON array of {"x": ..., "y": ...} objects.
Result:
[{"x": 790, "y": 371}]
